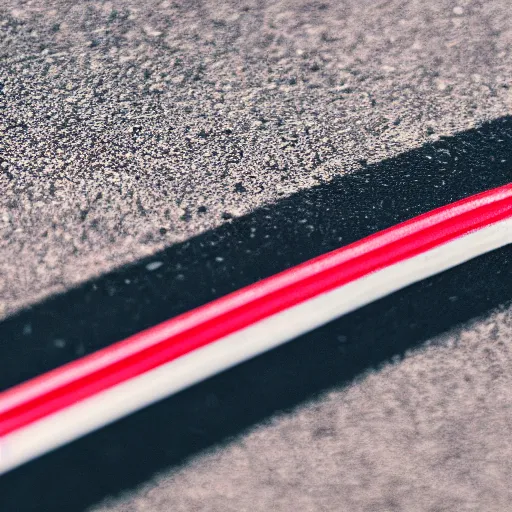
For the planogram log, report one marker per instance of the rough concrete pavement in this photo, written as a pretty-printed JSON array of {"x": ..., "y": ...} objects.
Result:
[{"x": 128, "y": 126}]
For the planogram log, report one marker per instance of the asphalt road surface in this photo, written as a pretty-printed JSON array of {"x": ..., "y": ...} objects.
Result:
[{"x": 228, "y": 140}]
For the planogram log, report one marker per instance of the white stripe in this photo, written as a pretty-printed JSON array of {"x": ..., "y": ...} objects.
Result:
[{"x": 107, "y": 406}]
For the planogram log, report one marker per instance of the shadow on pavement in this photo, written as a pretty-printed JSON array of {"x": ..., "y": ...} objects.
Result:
[{"x": 297, "y": 228}]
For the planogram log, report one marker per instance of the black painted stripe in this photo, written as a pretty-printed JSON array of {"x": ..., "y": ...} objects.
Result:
[
  {"x": 128, "y": 452},
  {"x": 308, "y": 223}
]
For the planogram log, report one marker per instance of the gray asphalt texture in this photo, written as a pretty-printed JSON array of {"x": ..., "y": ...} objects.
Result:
[
  {"x": 123, "y": 121},
  {"x": 127, "y": 126}
]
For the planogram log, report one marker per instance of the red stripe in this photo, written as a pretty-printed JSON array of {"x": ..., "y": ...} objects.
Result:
[{"x": 490, "y": 207}]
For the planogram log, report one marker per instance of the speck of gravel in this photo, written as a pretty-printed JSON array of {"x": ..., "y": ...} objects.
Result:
[{"x": 154, "y": 265}]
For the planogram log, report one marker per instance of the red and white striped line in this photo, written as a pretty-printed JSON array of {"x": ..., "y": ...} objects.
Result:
[{"x": 64, "y": 404}]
